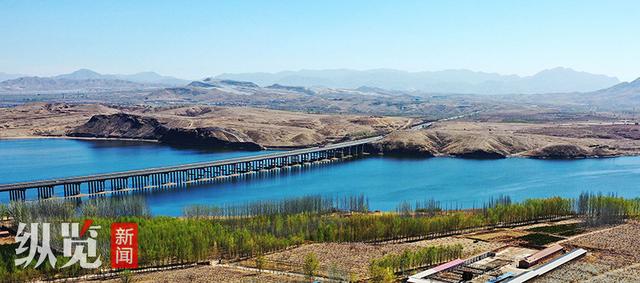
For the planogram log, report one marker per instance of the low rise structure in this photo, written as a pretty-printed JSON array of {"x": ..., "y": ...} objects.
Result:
[{"x": 540, "y": 256}]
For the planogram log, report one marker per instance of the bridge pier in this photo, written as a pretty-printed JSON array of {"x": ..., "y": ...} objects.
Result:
[
  {"x": 184, "y": 175},
  {"x": 96, "y": 187},
  {"x": 155, "y": 180},
  {"x": 115, "y": 184},
  {"x": 72, "y": 189},
  {"x": 144, "y": 181},
  {"x": 135, "y": 182},
  {"x": 45, "y": 192},
  {"x": 17, "y": 195}
]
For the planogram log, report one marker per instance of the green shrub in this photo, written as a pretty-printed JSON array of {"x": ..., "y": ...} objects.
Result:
[
  {"x": 311, "y": 265},
  {"x": 380, "y": 274},
  {"x": 410, "y": 259}
]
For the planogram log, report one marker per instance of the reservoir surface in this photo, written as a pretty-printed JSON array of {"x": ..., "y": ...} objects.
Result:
[{"x": 385, "y": 181}]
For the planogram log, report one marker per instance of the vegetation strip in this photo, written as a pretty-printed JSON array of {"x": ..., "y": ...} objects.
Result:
[{"x": 235, "y": 232}]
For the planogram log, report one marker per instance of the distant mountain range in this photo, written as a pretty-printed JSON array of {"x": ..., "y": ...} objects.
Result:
[
  {"x": 40, "y": 84},
  {"x": 86, "y": 80},
  {"x": 556, "y": 80},
  {"x": 5, "y": 76},
  {"x": 86, "y": 74},
  {"x": 624, "y": 95},
  {"x": 144, "y": 77},
  {"x": 624, "y": 88}
]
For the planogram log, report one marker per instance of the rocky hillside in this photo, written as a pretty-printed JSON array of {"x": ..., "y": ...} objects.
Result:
[
  {"x": 496, "y": 140},
  {"x": 122, "y": 125},
  {"x": 560, "y": 151},
  {"x": 192, "y": 125},
  {"x": 442, "y": 143},
  {"x": 213, "y": 137}
]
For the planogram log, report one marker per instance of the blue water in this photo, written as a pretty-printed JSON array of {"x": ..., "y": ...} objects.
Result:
[
  {"x": 385, "y": 181},
  {"x": 34, "y": 159}
]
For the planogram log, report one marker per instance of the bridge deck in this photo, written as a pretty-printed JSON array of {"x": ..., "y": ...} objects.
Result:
[{"x": 167, "y": 169}]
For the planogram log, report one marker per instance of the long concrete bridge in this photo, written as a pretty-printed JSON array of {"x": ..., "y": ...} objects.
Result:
[{"x": 162, "y": 177}]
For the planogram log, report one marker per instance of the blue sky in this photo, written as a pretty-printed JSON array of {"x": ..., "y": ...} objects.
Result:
[{"x": 194, "y": 39}]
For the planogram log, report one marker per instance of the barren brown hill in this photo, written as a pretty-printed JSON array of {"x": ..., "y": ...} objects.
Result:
[
  {"x": 47, "y": 119},
  {"x": 252, "y": 128},
  {"x": 130, "y": 126},
  {"x": 270, "y": 128},
  {"x": 560, "y": 151},
  {"x": 498, "y": 140}
]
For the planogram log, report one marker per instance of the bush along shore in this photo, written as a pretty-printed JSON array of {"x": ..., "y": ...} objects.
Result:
[{"x": 230, "y": 233}]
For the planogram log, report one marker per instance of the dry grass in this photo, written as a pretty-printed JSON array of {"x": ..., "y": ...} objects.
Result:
[
  {"x": 207, "y": 274},
  {"x": 40, "y": 119},
  {"x": 621, "y": 240},
  {"x": 354, "y": 258},
  {"x": 613, "y": 257},
  {"x": 586, "y": 268}
]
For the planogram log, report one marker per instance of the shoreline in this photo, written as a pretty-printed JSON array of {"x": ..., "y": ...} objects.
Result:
[
  {"x": 513, "y": 156},
  {"x": 34, "y": 137},
  {"x": 77, "y": 138},
  {"x": 285, "y": 148}
]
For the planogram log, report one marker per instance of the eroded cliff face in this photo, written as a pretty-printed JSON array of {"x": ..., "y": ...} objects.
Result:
[
  {"x": 209, "y": 137},
  {"x": 561, "y": 151},
  {"x": 122, "y": 125}
]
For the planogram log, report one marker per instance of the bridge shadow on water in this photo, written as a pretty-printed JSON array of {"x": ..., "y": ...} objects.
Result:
[{"x": 194, "y": 189}]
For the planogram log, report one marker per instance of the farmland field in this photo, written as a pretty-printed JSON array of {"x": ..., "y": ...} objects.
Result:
[
  {"x": 613, "y": 257},
  {"x": 354, "y": 258}
]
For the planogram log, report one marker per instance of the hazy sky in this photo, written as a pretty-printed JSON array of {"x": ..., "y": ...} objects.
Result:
[{"x": 194, "y": 39}]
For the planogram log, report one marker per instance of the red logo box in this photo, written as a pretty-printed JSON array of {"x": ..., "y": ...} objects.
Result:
[{"x": 124, "y": 245}]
